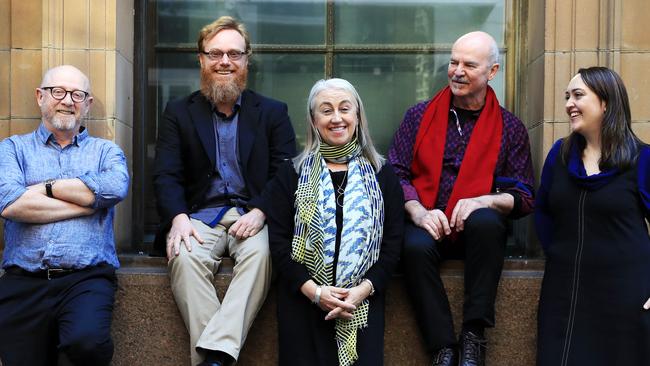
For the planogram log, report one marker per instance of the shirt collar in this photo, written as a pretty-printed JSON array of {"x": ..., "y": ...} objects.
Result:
[
  {"x": 235, "y": 109},
  {"x": 44, "y": 135}
]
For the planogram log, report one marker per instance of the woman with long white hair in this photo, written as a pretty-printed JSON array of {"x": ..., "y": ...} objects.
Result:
[{"x": 335, "y": 231}]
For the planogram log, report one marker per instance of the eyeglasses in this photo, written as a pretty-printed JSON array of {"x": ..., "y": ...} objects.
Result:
[
  {"x": 58, "y": 93},
  {"x": 216, "y": 55}
]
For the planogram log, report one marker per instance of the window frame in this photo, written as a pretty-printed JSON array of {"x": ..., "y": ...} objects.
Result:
[{"x": 146, "y": 108}]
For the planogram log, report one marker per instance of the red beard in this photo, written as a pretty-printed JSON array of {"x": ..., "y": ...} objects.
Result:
[{"x": 220, "y": 90}]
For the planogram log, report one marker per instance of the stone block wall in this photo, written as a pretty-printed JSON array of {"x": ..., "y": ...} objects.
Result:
[
  {"x": 565, "y": 35},
  {"x": 146, "y": 318}
]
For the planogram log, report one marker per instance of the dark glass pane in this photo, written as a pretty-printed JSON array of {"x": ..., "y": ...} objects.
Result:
[
  {"x": 389, "y": 84},
  {"x": 267, "y": 21},
  {"x": 177, "y": 75},
  {"x": 416, "y": 21},
  {"x": 289, "y": 78}
]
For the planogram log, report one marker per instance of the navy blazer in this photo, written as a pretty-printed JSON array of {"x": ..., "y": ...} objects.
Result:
[{"x": 186, "y": 152}]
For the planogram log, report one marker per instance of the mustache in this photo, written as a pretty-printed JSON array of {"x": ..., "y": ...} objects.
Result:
[{"x": 459, "y": 80}]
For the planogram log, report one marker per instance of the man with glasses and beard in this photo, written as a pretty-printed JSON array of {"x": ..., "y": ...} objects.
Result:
[
  {"x": 217, "y": 148},
  {"x": 58, "y": 189}
]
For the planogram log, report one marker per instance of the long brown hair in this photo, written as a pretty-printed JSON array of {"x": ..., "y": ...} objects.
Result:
[{"x": 619, "y": 144}]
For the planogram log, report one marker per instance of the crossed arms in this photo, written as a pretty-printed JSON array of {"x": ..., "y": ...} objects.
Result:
[{"x": 73, "y": 197}]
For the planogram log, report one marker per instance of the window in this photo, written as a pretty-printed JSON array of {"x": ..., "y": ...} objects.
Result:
[{"x": 395, "y": 52}]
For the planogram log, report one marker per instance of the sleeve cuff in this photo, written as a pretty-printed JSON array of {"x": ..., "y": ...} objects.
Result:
[
  {"x": 90, "y": 181},
  {"x": 298, "y": 277},
  {"x": 410, "y": 194},
  {"x": 11, "y": 197},
  {"x": 516, "y": 208}
]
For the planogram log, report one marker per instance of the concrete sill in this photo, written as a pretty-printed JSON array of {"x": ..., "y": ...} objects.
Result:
[{"x": 146, "y": 317}]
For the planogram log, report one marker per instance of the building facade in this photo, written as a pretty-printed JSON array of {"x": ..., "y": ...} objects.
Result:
[{"x": 140, "y": 53}]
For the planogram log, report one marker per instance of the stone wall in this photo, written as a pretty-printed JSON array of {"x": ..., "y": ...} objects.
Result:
[{"x": 146, "y": 318}]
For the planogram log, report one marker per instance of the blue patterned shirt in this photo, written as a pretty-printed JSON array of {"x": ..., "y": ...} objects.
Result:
[{"x": 79, "y": 242}]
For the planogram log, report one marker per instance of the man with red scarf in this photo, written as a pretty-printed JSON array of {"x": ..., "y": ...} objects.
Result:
[{"x": 465, "y": 167}]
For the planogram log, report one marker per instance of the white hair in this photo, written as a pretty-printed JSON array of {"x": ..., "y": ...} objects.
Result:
[{"x": 363, "y": 135}]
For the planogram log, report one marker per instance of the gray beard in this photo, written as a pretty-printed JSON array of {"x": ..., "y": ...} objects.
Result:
[{"x": 64, "y": 125}]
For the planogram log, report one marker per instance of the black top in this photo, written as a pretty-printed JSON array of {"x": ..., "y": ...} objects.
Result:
[
  {"x": 280, "y": 219},
  {"x": 340, "y": 181}
]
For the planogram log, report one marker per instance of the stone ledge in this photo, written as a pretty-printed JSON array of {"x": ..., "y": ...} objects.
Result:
[{"x": 148, "y": 329}]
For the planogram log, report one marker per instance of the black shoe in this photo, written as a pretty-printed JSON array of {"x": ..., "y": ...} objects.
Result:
[
  {"x": 216, "y": 358},
  {"x": 472, "y": 349},
  {"x": 445, "y": 357}
]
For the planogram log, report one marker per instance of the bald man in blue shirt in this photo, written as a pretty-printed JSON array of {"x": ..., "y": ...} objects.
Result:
[{"x": 58, "y": 189}]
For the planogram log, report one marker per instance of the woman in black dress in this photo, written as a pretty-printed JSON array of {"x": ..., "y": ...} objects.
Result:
[
  {"x": 335, "y": 231},
  {"x": 590, "y": 215}
]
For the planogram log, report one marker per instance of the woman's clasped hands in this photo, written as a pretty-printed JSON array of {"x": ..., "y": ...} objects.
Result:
[{"x": 337, "y": 301}]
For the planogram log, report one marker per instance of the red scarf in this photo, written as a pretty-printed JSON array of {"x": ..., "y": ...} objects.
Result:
[{"x": 477, "y": 169}]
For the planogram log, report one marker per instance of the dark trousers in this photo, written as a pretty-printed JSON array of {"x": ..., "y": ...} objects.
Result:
[
  {"x": 72, "y": 314},
  {"x": 483, "y": 241}
]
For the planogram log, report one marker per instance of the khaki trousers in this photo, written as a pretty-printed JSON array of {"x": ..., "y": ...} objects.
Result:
[{"x": 215, "y": 325}]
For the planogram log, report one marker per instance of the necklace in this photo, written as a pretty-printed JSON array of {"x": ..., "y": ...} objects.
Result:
[
  {"x": 340, "y": 190},
  {"x": 460, "y": 130}
]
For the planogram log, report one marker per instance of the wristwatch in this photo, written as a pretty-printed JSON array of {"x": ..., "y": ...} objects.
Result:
[{"x": 48, "y": 187}]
